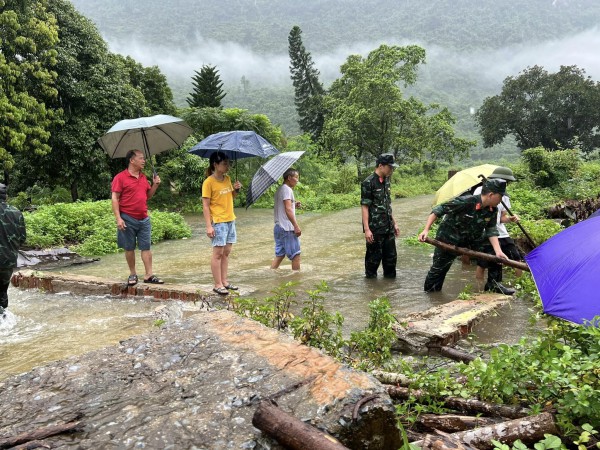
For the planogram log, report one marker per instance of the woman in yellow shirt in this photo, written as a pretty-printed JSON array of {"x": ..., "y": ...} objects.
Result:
[{"x": 217, "y": 204}]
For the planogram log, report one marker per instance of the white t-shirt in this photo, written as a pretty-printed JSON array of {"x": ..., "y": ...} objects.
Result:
[
  {"x": 284, "y": 193},
  {"x": 501, "y": 227}
]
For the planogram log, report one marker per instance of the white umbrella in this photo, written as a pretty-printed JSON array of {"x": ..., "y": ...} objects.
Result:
[{"x": 151, "y": 135}]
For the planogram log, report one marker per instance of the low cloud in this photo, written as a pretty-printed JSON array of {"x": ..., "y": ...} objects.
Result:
[{"x": 234, "y": 60}]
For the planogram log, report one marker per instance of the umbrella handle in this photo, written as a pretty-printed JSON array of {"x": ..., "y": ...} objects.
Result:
[{"x": 484, "y": 179}]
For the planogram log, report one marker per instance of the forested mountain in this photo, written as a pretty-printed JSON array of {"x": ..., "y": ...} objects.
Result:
[{"x": 458, "y": 36}]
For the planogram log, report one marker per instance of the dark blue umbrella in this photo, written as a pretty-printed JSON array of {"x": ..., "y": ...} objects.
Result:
[
  {"x": 565, "y": 270},
  {"x": 235, "y": 144}
]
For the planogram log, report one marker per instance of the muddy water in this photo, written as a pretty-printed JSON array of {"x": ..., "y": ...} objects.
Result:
[{"x": 49, "y": 327}]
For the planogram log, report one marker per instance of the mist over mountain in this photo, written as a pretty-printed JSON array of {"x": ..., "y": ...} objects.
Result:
[{"x": 471, "y": 45}]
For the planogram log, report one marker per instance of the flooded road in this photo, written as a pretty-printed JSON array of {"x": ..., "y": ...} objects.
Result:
[{"x": 54, "y": 326}]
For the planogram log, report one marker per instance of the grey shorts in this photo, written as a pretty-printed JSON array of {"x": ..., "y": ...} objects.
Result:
[{"x": 139, "y": 231}]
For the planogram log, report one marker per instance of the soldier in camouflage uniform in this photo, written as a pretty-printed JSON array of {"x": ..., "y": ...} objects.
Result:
[
  {"x": 469, "y": 221},
  {"x": 12, "y": 236},
  {"x": 379, "y": 225}
]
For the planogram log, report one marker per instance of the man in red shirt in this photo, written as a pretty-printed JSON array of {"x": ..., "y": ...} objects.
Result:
[{"x": 130, "y": 193}]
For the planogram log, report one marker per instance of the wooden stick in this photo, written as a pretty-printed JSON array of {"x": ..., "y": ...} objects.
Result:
[
  {"x": 290, "y": 431},
  {"x": 479, "y": 255}
]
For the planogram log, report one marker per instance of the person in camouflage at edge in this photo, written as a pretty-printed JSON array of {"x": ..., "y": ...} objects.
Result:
[
  {"x": 467, "y": 222},
  {"x": 379, "y": 225},
  {"x": 12, "y": 236}
]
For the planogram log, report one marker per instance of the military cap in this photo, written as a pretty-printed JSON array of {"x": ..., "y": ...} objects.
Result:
[
  {"x": 497, "y": 186},
  {"x": 387, "y": 159},
  {"x": 504, "y": 173}
]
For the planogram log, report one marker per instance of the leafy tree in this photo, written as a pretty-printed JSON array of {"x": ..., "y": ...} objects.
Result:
[
  {"x": 367, "y": 114},
  {"x": 94, "y": 92},
  {"x": 153, "y": 85},
  {"x": 308, "y": 89},
  {"x": 553, "y": 111},
  {"x": 208, "y": 88},
  {"x": 28, "y": 39}
]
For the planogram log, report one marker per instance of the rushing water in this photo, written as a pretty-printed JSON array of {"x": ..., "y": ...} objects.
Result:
[{"x": 42, "y": 327}]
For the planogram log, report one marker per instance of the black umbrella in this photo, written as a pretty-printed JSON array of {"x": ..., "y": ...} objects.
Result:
[{"x": 269, "y": 173}]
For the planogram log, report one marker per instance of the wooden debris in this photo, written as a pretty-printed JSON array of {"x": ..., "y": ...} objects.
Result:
[
  {"x": 39, "y": 434},
  {"x": 290, "y": 431},
  {"x": 479, "y": 255},
  {"x": 470, "y": 406},
  {"x": 455, "y": 354},
  {"x": 452, "y": 423},
  {"x": 528, "y": 429},
  {"x": 443, "y": 441}
]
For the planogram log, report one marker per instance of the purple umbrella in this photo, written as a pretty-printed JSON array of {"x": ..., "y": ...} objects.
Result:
[{"x": 565, "y": 270}]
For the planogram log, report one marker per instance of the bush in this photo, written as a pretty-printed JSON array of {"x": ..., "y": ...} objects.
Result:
[{"x": 90, "y": 227}]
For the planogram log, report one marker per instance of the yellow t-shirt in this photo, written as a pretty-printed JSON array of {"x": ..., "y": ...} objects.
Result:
[{"x": 220, "y": 194}]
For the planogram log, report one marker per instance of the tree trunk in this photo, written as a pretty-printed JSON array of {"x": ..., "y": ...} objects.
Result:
[
  {"x": 528, "y": 429},
  {"x": 290, "y": 431},
  {"x": 452, "y": 353},
  {"x": 451, "y": 423},
  {"x": 74, "y": 191},
  {"x": 465, "y": 405},
  {"x": 472, "y": 253}
]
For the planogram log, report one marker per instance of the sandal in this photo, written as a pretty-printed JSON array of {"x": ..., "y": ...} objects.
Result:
[
  {"x": 154, "y": 280},
  {"x": 132, "y": 280},
  {"x": 221, "y": 291},
  {"x": 231, "y": 287}
]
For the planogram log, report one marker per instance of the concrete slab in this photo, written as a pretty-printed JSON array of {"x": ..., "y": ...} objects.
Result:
[{"x": 445, "y": 324}]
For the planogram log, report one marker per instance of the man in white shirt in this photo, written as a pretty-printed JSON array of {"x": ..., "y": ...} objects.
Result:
[
  {"x": 287, "y": 231},
  {"x": 507, "y": 244}
]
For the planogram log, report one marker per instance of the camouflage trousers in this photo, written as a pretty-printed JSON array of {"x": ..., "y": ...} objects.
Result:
[
  {"x": 381, "y": 251},
  {"x": 5, "y": 276},
  {"x": 442, "y": 261}
]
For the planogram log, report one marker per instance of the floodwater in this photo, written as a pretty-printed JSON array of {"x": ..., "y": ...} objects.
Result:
[{"x": 42, "y": 328}]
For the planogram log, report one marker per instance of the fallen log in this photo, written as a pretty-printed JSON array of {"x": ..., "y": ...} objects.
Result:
[
  {"x": 452, "y": 423},
  {"x": 479, "y": 255},
  {"x": 470, "y": 406},
  {"x": 442, "y": 441},
  {"x": 528, "y": 429},
  {"x": 39, "y": 434},
  {"x": 453, "y": 353},
  {"x": 290, "y": 431}
]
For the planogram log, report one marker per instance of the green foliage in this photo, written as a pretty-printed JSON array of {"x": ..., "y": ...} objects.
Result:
[
  {"x": 558, "y": 368},
  {"x": 89, "y": 227},
  {"x": 207, "y": 88},
  {"x": 549, "y": 169},
  {"x": 539, "y": 230},
  {"x": 317, "y": 327},
  {"x": 372, "y": 347},
  {"x": 27, "y": 78},
  {"x": 554, "y": 111}
]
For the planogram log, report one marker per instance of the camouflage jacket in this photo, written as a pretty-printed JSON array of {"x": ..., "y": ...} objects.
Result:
[
  {"x": 466, "y": 220},
  {"x": 377, "y": 196},
  {"x": 12, "y": 235}
]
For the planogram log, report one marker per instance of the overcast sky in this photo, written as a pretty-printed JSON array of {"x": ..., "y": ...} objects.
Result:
[{"x": 234, "y": 61}]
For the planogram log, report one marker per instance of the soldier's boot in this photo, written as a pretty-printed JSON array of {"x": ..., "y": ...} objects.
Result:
[{"x": 493, "y": 282}]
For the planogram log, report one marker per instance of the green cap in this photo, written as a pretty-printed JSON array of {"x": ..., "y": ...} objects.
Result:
[{"x": 504, "y": 173}]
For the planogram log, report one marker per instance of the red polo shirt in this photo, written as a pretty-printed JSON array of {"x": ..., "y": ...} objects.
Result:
[{"x": 134, "y": 194}]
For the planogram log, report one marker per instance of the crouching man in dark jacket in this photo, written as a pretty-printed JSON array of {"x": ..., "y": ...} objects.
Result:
[{"x": 469, "y": 221}]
